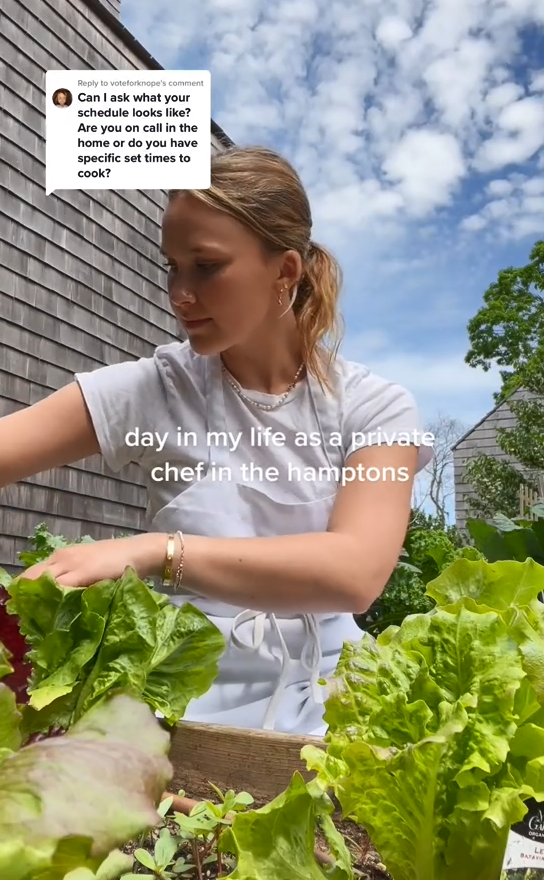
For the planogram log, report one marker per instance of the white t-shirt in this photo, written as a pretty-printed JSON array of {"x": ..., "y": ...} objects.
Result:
[{"x": 164, "y": 396}]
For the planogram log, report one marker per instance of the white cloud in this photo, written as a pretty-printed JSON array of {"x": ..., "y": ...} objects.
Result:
[
  {"x": 456, "y": 80},
  {"x": 474, "y": 223},
  {"x": 519, "y": 213},
  {"x": 533, "y": 187},
  {"x": 427, "y": 166},
  {"x": 537, "y": 81},
  {"x": 392, "y": 31},
  {"x": 520, "y": 133},
  {"x": 499, "y": 187},
  {"x": 502, "y": 95}
]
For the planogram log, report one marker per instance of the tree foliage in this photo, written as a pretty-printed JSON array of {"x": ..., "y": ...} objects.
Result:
[
  {"x": 429, "y": 548},
  {"x": 496, "y": 486},
  {"x": 508, "y": 330}
]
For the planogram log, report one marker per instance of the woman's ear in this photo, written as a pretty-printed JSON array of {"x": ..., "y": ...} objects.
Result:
[{"x": 290, "y": 270}]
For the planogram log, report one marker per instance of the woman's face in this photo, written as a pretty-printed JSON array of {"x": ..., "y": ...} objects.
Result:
[
  {"x": 61, "y": 98},
  {"x": 222, "y": 285}
]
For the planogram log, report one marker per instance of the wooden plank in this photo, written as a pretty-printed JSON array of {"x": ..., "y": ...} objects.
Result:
[
  {"x": 87, "y": 213},
  {"x": 113, "y": 6},
  {"x": 18, "y": 523},
  {"x": 84, "y": 483},
  {"x": 51, "y": 351},
  {"x": 71, "y": 32},
  {"x": 72, "y": 326},
  {"x": 93, "y": 311},
  {"x": 20, "y": 264},
  {"x": 258, "y": 761},
  {"x": 24, "y": 151},
  {"x": 73, "y": 255},
  {"x": 54, "y": 502},
  {"x": 71, "y": 230}
]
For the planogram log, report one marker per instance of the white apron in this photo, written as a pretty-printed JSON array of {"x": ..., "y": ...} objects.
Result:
[{"x": 268, "y": 676}]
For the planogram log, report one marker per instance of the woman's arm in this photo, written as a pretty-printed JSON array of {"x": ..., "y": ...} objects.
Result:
[
  {"x": 343, "y": 569},
  {"x": 56, "y": 431}
]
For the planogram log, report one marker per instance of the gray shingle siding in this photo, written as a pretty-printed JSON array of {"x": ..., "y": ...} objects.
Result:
[{"x": 481, "y": 439}]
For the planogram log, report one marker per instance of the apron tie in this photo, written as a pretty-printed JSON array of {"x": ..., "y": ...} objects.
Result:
[{"x": 310, "y": 657}]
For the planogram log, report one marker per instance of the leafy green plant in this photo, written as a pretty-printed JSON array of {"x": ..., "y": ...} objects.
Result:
[
  {"x": 205, "y": 823},
  {"x": 68, "y": 802},
  {"x": 43, "y": 544},
  {"x": 503, "y": 538},
  {"x": 495, "y": 486},
  {"x": 428, "y": 550},
  {"x": 433, "y": 523},
  {"x": 276, "y": 842},
  {"x": 522, "y": 874},
  {"x": 113, "y": 635},
  {"x": 436, "y": 728},
  {"x": 161, "y": 859}
]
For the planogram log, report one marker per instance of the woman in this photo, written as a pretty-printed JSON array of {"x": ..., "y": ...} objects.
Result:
[
  {"x": 281, "y": 560},
  {"x": 62, "y": 98}
]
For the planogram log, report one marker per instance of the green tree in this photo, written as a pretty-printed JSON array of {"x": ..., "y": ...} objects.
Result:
[
  {"x": 508, "y": 331},
  {"x": 433, "y": 523}
]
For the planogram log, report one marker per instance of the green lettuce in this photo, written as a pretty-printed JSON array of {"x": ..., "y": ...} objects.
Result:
[
  {"x": 114, "y": 635},
  {"x": 68, "y": 802},
  {"x": 10, "y": 716},
  {"x": 436, "y": 728},
  {"x": 277, "y": 841}
]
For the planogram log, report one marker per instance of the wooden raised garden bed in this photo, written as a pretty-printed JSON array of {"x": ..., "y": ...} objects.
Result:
[{"x": 258, "y": 761}]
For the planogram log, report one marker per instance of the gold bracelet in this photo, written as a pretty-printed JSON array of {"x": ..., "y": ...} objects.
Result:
[
  {"x": 179, "y": 572},
  {"x": 167, "y": 573}
]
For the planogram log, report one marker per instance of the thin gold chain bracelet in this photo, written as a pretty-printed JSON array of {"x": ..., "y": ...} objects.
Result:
[{"x": 179, "y": 572}]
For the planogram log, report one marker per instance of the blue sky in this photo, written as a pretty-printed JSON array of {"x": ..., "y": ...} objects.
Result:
[{"x": 418, "y": 129}]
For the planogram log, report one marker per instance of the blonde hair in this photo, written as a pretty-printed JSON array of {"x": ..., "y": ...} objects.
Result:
[{"x": 264, "y": 192}]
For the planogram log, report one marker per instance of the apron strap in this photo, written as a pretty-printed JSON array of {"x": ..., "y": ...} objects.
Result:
[{"x": 310, "y": 657}]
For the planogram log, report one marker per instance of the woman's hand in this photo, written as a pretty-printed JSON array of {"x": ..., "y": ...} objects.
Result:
[{"x": 86, "y": 564}]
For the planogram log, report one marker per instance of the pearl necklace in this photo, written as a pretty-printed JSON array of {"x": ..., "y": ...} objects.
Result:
[{"x": 266, "y": 406}]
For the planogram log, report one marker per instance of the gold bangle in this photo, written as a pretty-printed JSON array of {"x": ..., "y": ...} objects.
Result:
[
  {"x": 170, "y": 548},
  {"x": 179, "y": 572}
]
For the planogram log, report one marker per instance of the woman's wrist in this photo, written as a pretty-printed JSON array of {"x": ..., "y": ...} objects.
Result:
[{"x": 149, "y": 553}]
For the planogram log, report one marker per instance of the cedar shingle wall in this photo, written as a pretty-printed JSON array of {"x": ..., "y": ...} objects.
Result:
[
  {"x": 81, "y": 284},
  {"x": 481, "y": 440},
  {"x": 112, "y": 5}
]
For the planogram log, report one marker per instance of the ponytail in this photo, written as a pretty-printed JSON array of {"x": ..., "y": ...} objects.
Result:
[{"x": 316, "y": 311}]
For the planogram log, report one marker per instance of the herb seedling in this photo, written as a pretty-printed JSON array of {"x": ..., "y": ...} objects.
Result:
[
  {"x": 203, "y": 826},
  {"x": 161, "y": 860}
]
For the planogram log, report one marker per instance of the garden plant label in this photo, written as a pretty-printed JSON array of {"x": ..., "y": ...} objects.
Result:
[{"x": 524, "y": 859}]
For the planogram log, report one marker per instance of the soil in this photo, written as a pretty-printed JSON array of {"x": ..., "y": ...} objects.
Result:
[{"x": 365, "y": 859}]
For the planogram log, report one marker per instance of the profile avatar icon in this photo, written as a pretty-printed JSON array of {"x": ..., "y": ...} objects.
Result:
[{"x": 62, "y": 98}]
